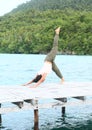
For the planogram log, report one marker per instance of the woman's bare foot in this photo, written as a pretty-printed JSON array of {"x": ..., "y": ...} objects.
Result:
[{"x": 57, "y": 30}]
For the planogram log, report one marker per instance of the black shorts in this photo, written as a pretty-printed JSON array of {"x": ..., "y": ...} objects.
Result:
[{"x": 38, "y": 77}]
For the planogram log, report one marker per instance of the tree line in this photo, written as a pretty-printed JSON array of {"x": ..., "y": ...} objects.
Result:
[{"x": 31, "y": 30}]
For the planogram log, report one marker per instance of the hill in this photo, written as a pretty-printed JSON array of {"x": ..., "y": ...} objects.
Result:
[
  {"x": 30, "y": 27},
  {"x": 44, "y": 5}
]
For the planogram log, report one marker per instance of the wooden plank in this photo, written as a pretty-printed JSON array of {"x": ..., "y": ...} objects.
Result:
[
  {"x": 4, "y": 110},
  {"x": 66, "y": 104},
  {"x": 7, "y": 96},
  {"x": 61, "y": 99},
  {"x": 80, "y": 98},
  {"x": 19, "y": 104},
  {"x": 45, "y": 91},
  {"x": 54, "y": 104}
]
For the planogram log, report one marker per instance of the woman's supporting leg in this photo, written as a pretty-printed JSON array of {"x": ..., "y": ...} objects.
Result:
[{"x": 56, "y": 70}]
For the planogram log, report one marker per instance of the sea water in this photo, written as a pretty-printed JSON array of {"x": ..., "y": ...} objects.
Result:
[{"x": 17, "y": 69}]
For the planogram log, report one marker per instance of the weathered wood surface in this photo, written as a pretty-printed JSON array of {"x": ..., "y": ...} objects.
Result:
[
  {"x": 30, "y": 96},
  {"x": 26, "y": 98},
  {"x": 68, "y": 89}
]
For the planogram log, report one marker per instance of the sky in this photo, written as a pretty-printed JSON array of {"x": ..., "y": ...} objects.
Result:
[{"x": 8, "y": 5}]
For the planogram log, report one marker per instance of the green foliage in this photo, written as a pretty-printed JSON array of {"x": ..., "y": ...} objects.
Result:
[
  {"x": 56, "y": 4},
  {"x": 30, "y": 27}
]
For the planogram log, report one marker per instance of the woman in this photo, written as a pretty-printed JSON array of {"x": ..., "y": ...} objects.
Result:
[{"x": 49, "y": 64}]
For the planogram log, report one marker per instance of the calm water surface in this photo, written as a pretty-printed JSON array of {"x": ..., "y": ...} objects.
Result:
[{"x": 19, "y": 68}]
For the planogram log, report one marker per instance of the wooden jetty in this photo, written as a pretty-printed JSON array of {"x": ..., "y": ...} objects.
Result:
[{"x": 25, "y": 98}]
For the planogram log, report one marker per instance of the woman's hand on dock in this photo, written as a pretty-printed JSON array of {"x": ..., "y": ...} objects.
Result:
[
  {"x": 24, "y": 84},
  {"x": 33, "y": 86}
]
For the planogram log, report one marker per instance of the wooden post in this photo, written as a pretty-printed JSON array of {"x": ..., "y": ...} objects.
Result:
[
  {"x": 36, "y": 120},
  {"x": 0, "y": 117},
  {"x": 64, "y": 100},
  {"x": 36, "y": 116},
  {"x": 63, "y": 108},
  {"x": 63, "y": 111}
]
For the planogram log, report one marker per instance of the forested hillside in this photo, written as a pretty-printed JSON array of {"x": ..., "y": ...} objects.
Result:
[
  {"x": 56, "y": 4},
  {"x": 30, "y": 27}
]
